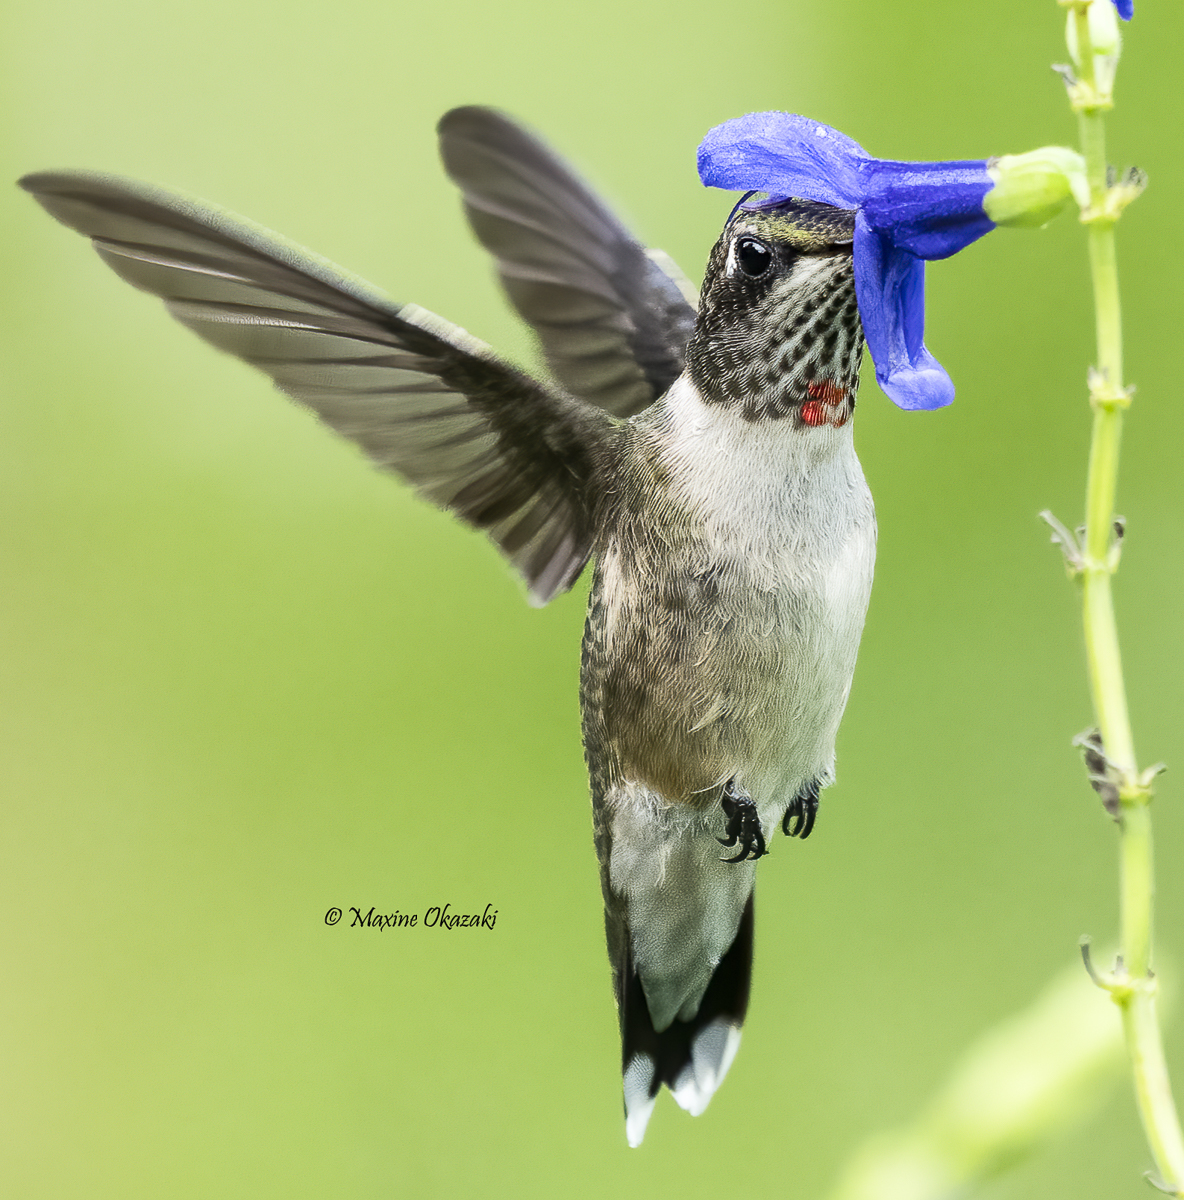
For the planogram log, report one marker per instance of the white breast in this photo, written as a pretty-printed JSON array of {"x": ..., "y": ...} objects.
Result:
[{"x": 790, "y": 511}]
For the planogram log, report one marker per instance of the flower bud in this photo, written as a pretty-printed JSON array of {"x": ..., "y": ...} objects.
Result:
[
  {"x": 1106, "y": 41},
  {"x": 1030, "y": 189}
]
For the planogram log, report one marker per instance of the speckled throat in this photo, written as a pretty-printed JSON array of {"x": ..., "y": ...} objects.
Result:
[{"x": 786, "y": 344}]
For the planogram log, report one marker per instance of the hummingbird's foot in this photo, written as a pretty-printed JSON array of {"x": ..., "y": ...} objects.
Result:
[
  {"x": 744, "y": 824},
  {"x": 802, "y": 812}
]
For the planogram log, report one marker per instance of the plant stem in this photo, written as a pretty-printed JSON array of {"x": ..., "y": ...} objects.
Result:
[{"x": 1133, "y": 984}]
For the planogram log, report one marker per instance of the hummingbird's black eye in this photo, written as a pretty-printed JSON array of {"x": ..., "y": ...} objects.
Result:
[{"x": 754, "y": 257}]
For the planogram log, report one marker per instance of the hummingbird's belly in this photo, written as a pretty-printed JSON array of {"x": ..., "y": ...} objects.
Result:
[
  {"x": 713, "y": 669},
  {"x": 729, "y": 597}
]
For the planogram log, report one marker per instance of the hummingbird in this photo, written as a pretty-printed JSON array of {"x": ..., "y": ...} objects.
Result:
[{"x": 697, "y": 449}]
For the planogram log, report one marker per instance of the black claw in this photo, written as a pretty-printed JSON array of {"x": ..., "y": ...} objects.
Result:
[
  {"x": 744, "y": 825},
  {"x": 802, "y": 811},
  {"x": 811, "y": 816}
]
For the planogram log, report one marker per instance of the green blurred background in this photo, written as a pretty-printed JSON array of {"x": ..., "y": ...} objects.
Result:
[{"x": 246, "y": 678}]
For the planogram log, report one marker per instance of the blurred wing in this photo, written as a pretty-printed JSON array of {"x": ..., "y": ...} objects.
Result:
[
  {"x": 614, "y": 320},
  {"x": 421, "y": 397}
]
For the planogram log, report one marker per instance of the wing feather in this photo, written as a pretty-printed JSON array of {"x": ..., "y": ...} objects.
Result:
[
  {"x": 420, "y": 397},
  {"x": 613, "y": 319}
]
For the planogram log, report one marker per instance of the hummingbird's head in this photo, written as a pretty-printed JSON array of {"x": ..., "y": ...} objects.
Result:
[{"x": 778, "y": 332}]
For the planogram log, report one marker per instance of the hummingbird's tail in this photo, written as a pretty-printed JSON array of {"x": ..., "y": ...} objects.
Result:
[{"x": 690, "y": 1057}]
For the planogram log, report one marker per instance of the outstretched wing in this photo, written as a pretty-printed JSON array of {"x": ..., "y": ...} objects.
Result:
[
  {"x": 420, "y": 396},
  {"x": 614, "y": 324}
]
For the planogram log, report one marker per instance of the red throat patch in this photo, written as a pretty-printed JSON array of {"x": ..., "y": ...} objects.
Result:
[
  {"x": 814, "y": 412},
  {"x": 827, "y": 404}
]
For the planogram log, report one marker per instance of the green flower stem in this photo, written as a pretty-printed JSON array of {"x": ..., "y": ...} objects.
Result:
[{"x": 1132, "y": 985}]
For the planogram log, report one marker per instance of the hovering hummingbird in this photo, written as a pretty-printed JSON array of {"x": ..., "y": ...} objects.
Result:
[{"x": 703, "y": 459}]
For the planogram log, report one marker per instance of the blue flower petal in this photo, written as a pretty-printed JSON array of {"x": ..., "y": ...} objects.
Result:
[
  {"x": 890, "y": 288},
  {"x": 932, "y": 210},
  {"x": 785, "y": 155},
  {"x": 1126, "y": 8}
]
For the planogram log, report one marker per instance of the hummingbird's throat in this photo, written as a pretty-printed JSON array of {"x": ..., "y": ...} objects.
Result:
[{"x": 827, "y": 404}]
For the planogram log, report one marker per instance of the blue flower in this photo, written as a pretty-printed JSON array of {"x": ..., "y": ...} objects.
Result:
[
  {"x": 1126, "y": 8},
  {"x": 905, "y": 213}
]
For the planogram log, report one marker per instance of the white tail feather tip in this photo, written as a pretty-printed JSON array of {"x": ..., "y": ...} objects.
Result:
[
  {"x": 639, "y": 1104},
  {"x": 712, "y": 1053}
]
